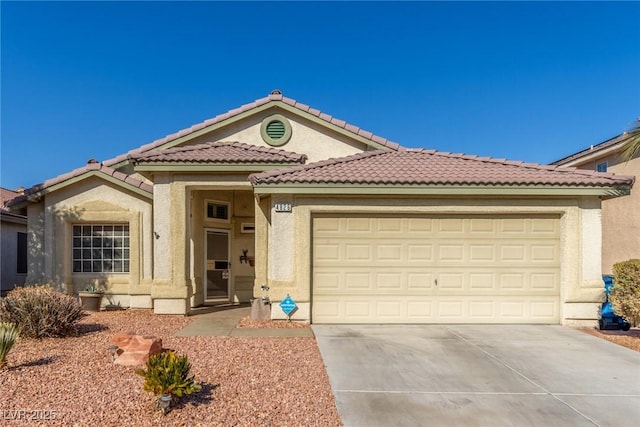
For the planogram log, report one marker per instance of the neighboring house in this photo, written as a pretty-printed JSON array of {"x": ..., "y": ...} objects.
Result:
[
  {"x": 620, "y": 215},
  {"x": 355, "y": 228},
  {"x": 13, "y": 244}
]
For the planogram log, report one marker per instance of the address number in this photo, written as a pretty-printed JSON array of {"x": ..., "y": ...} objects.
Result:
[{"x": 282, "y": 207}]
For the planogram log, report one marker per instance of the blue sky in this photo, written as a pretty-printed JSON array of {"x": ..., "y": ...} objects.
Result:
[{"x": 525, "y": 81}]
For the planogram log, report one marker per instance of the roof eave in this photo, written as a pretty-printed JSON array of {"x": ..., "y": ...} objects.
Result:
[
  {"x": 591, "y": 154},
  {"x": 37, "y": 195},
  {"x": 441, "y": 190}
]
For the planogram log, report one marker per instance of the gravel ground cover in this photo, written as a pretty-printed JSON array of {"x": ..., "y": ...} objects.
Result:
[{"x": 246, "y": 381}]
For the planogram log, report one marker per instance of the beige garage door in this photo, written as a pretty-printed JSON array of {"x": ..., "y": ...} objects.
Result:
[{"x": 436, "y": 269}]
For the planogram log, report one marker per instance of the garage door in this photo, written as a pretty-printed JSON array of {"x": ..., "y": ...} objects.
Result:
[{"x": 436, "y": 269}]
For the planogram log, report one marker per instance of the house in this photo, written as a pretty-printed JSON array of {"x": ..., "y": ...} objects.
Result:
[
  {"x": 13, "y": 243},
  {"x": 620, "y": 216},
  {"x": 355, "y": 228}
]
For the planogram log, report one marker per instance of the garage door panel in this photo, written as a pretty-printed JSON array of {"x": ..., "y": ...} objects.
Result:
[
  {"x": 421, "y": 270},
  {"x": 416, "y": 281},
  {"x": 420, "y": 253}
]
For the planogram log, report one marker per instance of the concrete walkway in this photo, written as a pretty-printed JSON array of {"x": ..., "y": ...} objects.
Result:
[
  {"x": 479, "y": 375},
  {"x": 221, "y": 321}
]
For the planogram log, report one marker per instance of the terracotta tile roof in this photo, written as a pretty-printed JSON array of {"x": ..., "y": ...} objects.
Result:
[
  {"x": 6, "y": 196},
  {"x": 91, "y": 166},
  {"x": 592, "y": 149},
  {"x": 430, "y": 167},
  {"x": 220, "y": 152},
  {"x": 274, "y": 96}
]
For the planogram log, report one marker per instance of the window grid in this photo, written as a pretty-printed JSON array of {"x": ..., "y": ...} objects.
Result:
[
  {"x": 602, "y": 167},
  {"x": 100, "y": 248}
]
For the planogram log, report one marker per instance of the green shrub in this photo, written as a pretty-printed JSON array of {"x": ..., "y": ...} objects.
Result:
[
  {"x": 41, "y": 311},
  {"x": 168, "y": 373},
  {"x": 8, "y": 336},
  {"x": 625, "y": 296}
]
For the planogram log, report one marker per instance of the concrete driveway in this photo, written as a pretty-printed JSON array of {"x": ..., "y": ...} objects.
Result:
[{"x": 485, "y": 375}]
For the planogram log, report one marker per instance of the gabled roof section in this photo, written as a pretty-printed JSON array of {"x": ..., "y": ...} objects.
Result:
[
  {"x": 222, "y": 153},
  {"x": 92, "y": 168},
  {"x": 275, "y": 98},
  {"x": 432, "y": 168},
  {"x": 609, "y": 146},
  {"x": 6, "y": 196}
]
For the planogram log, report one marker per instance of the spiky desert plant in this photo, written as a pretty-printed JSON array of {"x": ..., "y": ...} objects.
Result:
[
  {"x": 168, "y": 373},
  {"x": 9, "y": 333}
]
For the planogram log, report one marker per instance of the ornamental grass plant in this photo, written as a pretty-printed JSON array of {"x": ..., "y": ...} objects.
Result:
[{"x": 41, "y": 311}]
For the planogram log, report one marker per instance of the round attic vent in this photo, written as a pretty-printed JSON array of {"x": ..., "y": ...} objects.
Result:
[{"x": 276, "y": 130}]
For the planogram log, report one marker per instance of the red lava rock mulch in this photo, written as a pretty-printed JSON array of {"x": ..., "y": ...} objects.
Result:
[{"x": 245, "y": 381}]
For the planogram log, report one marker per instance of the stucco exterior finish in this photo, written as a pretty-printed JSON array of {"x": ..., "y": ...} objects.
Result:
[
  {"x": 621, "y": 221},
  {"x": 317, "y": 142},
  {"x": 9, "y": 228},
  {"x": 168, "y": 222},
  {"x": 90, "y": 201},
  {"x": 180, "y": 225},
  {"x": 580, "y": 290},
  {"x": 620, "y": 215}
]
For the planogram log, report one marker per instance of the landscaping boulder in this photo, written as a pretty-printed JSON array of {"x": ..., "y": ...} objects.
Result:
[{"x": 134, "y": 350}]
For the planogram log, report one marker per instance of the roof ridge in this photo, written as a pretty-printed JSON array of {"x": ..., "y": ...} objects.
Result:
[
  {"x": 272, "y": 97},
  {"x": 212, "y": 147}
]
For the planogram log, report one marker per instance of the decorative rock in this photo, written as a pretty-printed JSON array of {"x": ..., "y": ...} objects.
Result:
[{"x": 134, "y": 350}]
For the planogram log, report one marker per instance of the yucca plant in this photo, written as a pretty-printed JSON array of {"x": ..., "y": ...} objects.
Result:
[
  {"x": 168, "y": 374},
  {"x": 9, "y": 333}
]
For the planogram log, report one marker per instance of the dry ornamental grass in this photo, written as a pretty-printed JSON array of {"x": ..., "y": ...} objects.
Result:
[{"x": 245, "y": 381}]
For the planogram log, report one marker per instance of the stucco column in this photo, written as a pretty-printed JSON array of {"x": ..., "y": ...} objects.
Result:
[
  {"x": 35, "y": 243},
  {"x": 281, "y": 250},
  {"x": 585, "y": 291},
  {"x": 262, "y": 221},
  {"x": 169, "y": 290}
]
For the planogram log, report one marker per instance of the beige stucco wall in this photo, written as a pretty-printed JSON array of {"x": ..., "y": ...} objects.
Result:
[
  {"x": 180, "y": 224},
  {"x": 92, "y": 200},
  {"x": 9, "y": 229},
  {"x": 309, "y": 138},
  {"x": 581, "y": 285},
  {"x": 620, "y": 216}
]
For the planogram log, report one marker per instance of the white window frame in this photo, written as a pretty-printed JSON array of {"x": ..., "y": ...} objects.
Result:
[
  {"x": 605, "y": 164},
  {"x": 78, "y": 248},
  {"x": 217, "y": 202}
]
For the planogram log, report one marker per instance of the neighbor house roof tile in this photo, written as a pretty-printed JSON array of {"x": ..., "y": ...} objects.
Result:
[
  {"x": 6, "y": 196},
  {"x": 220, "y": 152},
  {"x": 429, "y": 167},
  {"x": 274, "y": 96},
  {"x": 592, "y": 149}
]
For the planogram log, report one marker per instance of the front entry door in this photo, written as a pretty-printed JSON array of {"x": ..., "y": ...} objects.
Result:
[{"x": 217, "y": 265}]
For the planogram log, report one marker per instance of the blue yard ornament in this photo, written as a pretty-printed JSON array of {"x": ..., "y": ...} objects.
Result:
[{"x": 288, "y": 305}]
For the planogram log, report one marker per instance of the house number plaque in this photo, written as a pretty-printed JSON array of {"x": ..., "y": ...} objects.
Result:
[{"x": 282, "y": 207}]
